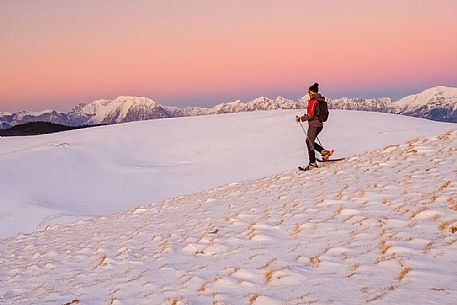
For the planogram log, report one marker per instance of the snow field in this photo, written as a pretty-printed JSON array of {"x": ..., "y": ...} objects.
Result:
[
  {"x": 379, "y": 228},
  {"x": 63, "y": 177}
]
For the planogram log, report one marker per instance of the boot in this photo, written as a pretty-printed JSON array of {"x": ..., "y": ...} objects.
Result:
[
  {"x": 326, "y": 154},
  {"x": 311, "y": 166}
]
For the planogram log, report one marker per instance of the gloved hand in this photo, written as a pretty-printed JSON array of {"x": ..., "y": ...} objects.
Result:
[{"x": 297, "y": 119}]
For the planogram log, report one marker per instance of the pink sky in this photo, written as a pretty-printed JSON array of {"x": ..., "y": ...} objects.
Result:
[{"x": 55, "y": 54}]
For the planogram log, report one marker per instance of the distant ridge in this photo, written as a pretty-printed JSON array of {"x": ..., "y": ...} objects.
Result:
[
  {"x": 36, "y": 128},
  {"x": 129, "y": 108},
  {"x": 437, "y": 103}
]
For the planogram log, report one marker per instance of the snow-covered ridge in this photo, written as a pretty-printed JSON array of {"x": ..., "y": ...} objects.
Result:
[
  {"x": 121, "y": 109},
  {"x": 260, "y": 103},
  {"x": 438, "y": 103},
  {"x": 441, "y": 95},
  {"x": 130, "y": 108},
  {"x": 383, "y": 231},
  {"x": 8, "y": 120}
]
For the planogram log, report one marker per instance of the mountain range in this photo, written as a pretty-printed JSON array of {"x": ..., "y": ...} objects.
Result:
[{"x": 437, "y": 103}]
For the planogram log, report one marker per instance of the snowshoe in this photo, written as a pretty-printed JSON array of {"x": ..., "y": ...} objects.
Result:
[
  {"x": 330, "y": 160},
  {"x": 308, "y": 167}
]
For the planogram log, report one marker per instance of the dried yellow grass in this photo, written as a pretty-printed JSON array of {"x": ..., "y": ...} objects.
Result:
[
  {"x": 445, "y": 185},
  {"x": 403, "y": 273},
  {"x": 252, "y": 299},
  {"x": 268, "y": 264},
  {"x": 445, "y": 137},
  {"x": 444, "y": 225},
  {"x": 453, "y": 203},
  {"x": 268, "y": 276},
  {"x": 412, "y": 224},
  {"x": 353, "y": 269},
  {"x": 163, "y": 246},
  {"x": 383, "y": 246},
  {"x": 337, "y": 211},
  {"x": 202, "y": 288},
  {"x": 339, "y": 196},
  {"x": 414, "y": 213},
  {"x": 427, "y": 247},
  {"x": 314, "y": 261},
  {"x": 101, "y": 262},
  {"x": 296, "y": 229}
]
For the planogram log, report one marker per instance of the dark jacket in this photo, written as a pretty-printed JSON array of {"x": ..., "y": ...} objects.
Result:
[{"x": 312, "y": 112}]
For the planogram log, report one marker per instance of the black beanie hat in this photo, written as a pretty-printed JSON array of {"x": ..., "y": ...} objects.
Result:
[{"x": 314, "y": 88}]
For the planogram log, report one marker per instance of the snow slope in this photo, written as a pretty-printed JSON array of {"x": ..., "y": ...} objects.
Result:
[
  {"x": 378, "y": 229},
  {"x": 61, "y": 177}
]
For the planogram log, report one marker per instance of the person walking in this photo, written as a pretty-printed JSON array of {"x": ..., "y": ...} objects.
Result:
[{"x": 315, "y": 126}]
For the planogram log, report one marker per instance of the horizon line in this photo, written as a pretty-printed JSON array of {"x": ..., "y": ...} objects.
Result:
[{"x": 213, "y": 104}]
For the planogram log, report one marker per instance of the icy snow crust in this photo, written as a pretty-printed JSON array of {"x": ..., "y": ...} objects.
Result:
[
  {"x": 380, "y": 228},
  {"x": 62, "y": 177}
]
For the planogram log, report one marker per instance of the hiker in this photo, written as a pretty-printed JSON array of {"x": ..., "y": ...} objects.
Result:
[{"x": 315, "y": 125}]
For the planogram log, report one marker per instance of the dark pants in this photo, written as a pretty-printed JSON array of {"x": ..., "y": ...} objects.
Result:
[{"x": 312, "y": 135}]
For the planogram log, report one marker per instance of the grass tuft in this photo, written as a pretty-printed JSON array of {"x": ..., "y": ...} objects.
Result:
[
  {"x": 314, "y": 261},
  {"x": 403, "y": 273},
  {"x": 383, "y": 246}
]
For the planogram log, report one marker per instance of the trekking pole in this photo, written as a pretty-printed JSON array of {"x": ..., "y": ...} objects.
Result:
[
  {"x": 319, "y": 142},
  {"x": 307, "y": 134},
  {"x": 303, "y": 129}
]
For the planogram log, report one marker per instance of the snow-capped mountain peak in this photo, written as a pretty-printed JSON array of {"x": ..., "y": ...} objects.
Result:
[
  {"x": 122, "y": 102},
  {"x": 437, "y": 103},
  {"x": 431, "y": 96},
  {"x": 121, "y": 109},
  {"x": 225, "y": 107}
]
